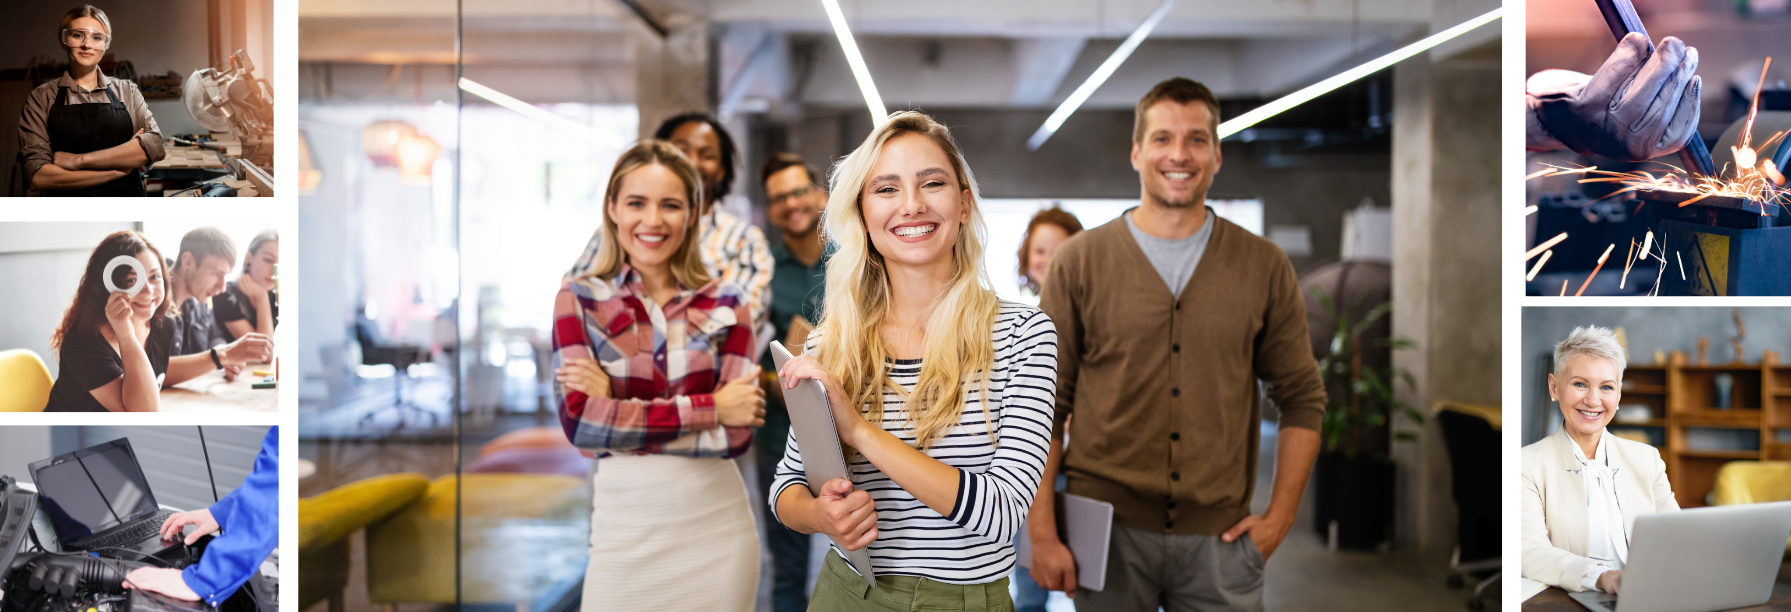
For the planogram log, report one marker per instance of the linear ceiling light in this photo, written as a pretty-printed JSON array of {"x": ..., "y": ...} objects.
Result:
[
  {"x": 540, "y": 114},
  {"x": 856, "y": 60},
  {"x": 1095, "y": 80},
  {"x": 1256, "y": 115}
]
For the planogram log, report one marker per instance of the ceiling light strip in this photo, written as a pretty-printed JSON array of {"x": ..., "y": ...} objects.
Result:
[
  {"x": 1099, "y": 76},
  {"x": 856, "y": 60},
  {"x": 540, "y": 114}
]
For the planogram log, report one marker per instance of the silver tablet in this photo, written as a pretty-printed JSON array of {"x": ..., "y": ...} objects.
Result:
[
  {"x": 819, "y": 440},
  {"x": 1087, "y": 528}
]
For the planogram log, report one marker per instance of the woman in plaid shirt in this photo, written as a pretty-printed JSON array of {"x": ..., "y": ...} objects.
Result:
[{"x": 655, "y": 364}]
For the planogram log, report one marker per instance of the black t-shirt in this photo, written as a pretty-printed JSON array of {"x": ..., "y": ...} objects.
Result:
[
  {"x": 89, "y": 363},
  {"x": 234, "y": 305},
  {"x": 193, "y": 328}
]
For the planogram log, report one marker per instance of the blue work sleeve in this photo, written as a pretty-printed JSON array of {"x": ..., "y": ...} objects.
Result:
[{"x": 249, "y": 518}]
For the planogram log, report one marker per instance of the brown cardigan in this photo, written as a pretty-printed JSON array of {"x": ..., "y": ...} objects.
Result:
[{"x": 1165, "y": 389}]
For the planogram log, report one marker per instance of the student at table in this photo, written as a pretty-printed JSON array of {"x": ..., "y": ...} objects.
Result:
[
  {"x": 195, "y": 275},
  {"x": 249, "y": 304},
  {"x": 116, "y": 349},
  {"x": 87, "y": 134}
]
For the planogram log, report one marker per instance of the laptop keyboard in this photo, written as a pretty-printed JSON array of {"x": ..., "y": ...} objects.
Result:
[
  {"x": 130, "y": 537},
  {"x": 1609, "y": 605}
]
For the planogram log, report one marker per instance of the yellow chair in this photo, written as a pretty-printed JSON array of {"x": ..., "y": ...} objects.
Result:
[
  {"x": 325, "y": 522},
  {"x": 1753, "y": 482},
  {"x": 24, "y": 381}
]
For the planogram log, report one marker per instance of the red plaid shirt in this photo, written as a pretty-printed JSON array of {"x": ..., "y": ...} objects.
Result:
[{"x": 664, "y": 363}]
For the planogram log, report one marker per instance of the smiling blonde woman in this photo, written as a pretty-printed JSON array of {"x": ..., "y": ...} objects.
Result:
[
  {"x": 942, "y": 392},
  {"x": 1584, "y": 488},
  {"x": 87, "y": 134}
]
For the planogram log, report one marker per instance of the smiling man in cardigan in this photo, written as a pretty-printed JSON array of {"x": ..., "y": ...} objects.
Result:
[{"x": 1167, "y": 317}]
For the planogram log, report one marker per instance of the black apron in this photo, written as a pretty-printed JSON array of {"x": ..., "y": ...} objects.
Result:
[{"x": 85, "y": 128}]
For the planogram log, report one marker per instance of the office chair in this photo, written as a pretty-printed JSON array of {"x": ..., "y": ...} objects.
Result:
[
  {"x": 24, "y": 382},
  {"x": 1472, "y": 437},
  {"x": 375, "y": 351}
]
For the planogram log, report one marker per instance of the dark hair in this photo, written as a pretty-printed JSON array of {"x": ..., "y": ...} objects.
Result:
[
  {"x": 780, "y": 162},
  {"x": 1179, "y": 90},
  {"x": 88, "y": 312},
  {"x": 206, "y": 242},
  {"x": 721, "y": 134},
  {"x": 1054, "y": 216}
]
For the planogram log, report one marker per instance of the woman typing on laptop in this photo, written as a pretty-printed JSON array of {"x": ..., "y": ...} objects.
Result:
[
  {"x": 655, "y": 359},
  {"x": 942, "y": 393},
  {"x": 1582, "y": 487}
]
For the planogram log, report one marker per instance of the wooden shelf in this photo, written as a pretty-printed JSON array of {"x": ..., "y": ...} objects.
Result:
[
  {"x": 1646, "y": 390},
  {"x": 1719, "y": 454},
  {"x": 1737, "y": 418},
  {"x": 1647, "y": 423},
  {"x": 1686, "y": 392}
]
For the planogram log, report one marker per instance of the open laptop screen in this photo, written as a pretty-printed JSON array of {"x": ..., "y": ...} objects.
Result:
[{"x": 93, "y": 489}]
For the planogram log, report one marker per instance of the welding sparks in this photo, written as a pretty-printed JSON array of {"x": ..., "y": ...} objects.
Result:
[
  {"x": 1594, "y": 274},
  {"x": 1681, "y": 264},
  {"x": 1563, "y": 287},
  {"x": 1538, "y": 268},
  {"x": 1545, "y": 246},
  {"x": 1646, "y": 242},
  {"x": 1529, "y": 210},
  {"x": 1628, "y": 260}
]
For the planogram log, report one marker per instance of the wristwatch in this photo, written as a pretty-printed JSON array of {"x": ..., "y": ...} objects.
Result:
[{"x": 214, "y": 359}]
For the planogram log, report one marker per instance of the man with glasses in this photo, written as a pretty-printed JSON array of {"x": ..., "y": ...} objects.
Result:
[
  {"x": 798, "y": 282},
  {"x": 87, "y": 134}
]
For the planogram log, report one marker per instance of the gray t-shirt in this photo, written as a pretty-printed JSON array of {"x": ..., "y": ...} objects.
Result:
[{"x": 1174, "y": 259}]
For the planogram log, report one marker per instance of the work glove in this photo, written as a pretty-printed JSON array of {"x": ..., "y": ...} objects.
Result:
[{"x": 1638, "y": 106}]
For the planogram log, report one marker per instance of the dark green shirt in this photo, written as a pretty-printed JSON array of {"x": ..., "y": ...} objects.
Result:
[{"x": 796, "y": 289}]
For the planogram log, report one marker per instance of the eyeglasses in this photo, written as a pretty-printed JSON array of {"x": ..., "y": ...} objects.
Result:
[
  {"x": 799, "y": 192},
  {"x": 73, "y": 37}
]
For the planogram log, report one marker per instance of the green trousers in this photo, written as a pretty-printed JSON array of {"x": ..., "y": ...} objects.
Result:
[{"x": 840, "y": 588}]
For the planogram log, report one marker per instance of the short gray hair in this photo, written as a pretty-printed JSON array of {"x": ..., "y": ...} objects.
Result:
[{"x": 1590, "y": 341}]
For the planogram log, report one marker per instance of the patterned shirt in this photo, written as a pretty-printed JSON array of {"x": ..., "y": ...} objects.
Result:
[
  {"x": 663, "y": 363},
  {"x": 974, "y": 544},
  {"x": 732, "y": 250}
]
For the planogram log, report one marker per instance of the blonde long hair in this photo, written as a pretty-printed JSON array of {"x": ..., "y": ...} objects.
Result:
[
  {"x": 687, "y": 261},
  {"x": 957, "y": 344}
]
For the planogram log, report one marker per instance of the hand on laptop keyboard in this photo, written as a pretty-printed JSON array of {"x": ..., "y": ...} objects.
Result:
[
  {"x": 1610, "y": 581},
  {"x": 202, "y": 519}
]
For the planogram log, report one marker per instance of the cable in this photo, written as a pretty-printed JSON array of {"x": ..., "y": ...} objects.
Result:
[
  {"x": 214, "y": 480},
  {"x": 147, "y": 558}
]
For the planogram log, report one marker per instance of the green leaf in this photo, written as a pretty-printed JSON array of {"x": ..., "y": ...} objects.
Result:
[{"x": 1405, "y": 436}]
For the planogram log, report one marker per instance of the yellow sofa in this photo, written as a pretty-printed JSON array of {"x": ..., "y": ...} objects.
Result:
[
  {"x": 325, "y": 522},
  {"x": 24, "y": 381},
  {"x": 1753, "y": 482}
]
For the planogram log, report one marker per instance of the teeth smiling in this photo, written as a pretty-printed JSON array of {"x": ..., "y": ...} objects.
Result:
[
  {"x": 1590, "y": 415},
  {"x": 1178, "y": 176},
  {"x": 916, "y": 230},
  {"x": 650, "y": 238}
]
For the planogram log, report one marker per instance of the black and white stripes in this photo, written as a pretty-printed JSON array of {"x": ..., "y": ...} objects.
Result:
[{"x": 997, "y": 481}]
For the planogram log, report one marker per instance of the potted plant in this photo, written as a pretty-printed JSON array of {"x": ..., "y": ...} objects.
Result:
[{"x": 1355, "y": 472}]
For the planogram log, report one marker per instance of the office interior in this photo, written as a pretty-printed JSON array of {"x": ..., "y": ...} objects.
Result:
[
  {"x": 1734, "y": 40},
  {"x": 159, "y": 45},
  {"x": 1717, "y": 416},
  {"x": 44, "y": 262},
  {"x": 438, "y": 219}
]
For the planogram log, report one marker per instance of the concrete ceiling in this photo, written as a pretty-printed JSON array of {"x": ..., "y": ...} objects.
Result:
[{"x": 922, "y": 53}]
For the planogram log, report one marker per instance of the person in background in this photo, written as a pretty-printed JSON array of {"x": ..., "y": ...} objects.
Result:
[
  {"x": 86, "y": 134},
  {"x": 247, "y": 522},
  {"x": 732, "y": 249},
  {"x": 1167, "y": 318},
  {"x": 941, "y": 391},
  {"x": 1048, "y": 229},
  {"x": 249, "y": 305},
  {"x": 115, "y": 348},
  {"x": 793, "y": 205},
  {"x": 654, "y": 360},
  {"x": 1575, "y": 531},
  {"x": 197, "y": 274}
]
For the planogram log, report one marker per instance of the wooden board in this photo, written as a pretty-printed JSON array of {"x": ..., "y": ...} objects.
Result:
[{"x": 211, "y": 393}]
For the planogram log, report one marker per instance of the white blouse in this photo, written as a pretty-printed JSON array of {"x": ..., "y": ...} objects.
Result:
[{"x": 1606, "y": 543}]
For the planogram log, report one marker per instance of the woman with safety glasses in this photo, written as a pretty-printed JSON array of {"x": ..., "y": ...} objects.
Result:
[{"x": 87, "y": 134}]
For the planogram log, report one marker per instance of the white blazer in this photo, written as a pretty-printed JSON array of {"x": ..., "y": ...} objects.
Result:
[{"x": 1554, "y": 503}]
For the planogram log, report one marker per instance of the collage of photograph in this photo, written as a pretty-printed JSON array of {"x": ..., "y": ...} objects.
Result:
[{"x": 846, "y": 305}]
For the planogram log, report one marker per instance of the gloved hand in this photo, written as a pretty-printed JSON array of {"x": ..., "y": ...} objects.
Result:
[{"x": 1638, "y": 106}]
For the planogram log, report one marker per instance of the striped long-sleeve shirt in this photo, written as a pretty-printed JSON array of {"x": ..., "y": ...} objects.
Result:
[
  {"x": 664, "y": 363},
  {"x": 997, "y": 478}
]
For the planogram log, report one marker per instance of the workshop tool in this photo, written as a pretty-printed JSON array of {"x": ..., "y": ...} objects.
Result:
[
  {"x": 233, "y": 100},
  {"x": 1620, "y": 15}
]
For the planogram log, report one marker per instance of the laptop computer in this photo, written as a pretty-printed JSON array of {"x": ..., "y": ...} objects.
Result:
[
  {"x": 98, "y": 499},
  {"x": 822, "y": 458},
  {"x": 1700, "y": 560}
]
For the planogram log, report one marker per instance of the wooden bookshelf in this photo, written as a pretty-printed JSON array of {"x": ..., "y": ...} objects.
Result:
[{"x": 1760, "y": 401}]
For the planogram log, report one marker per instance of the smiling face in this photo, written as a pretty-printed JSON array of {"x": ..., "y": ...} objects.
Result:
[
  {"x": 700, "y": 143},
  {"x": 1040, "y": 246},
  {"x": 262, "y": 262},
  {"x": 1179, "y": 154},
  {"x": 143, "y": 304},
  {"x": 914, "y": 205},
  {"x": 795, "y": 202},
  {"x": 652, "y": 215},
  {"x": 86, "y": 52},
  {"x": 1587, "y": 389}
]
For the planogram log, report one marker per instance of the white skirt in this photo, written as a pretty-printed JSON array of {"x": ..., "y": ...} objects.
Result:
[{"x": 670, "y": 533}]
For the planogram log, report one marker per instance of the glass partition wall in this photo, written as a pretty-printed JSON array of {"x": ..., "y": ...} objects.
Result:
[{"x": 454, "y": 153}]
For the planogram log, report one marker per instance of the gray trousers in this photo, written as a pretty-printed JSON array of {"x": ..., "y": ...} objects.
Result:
[{"x": 1177, "y": 573}]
